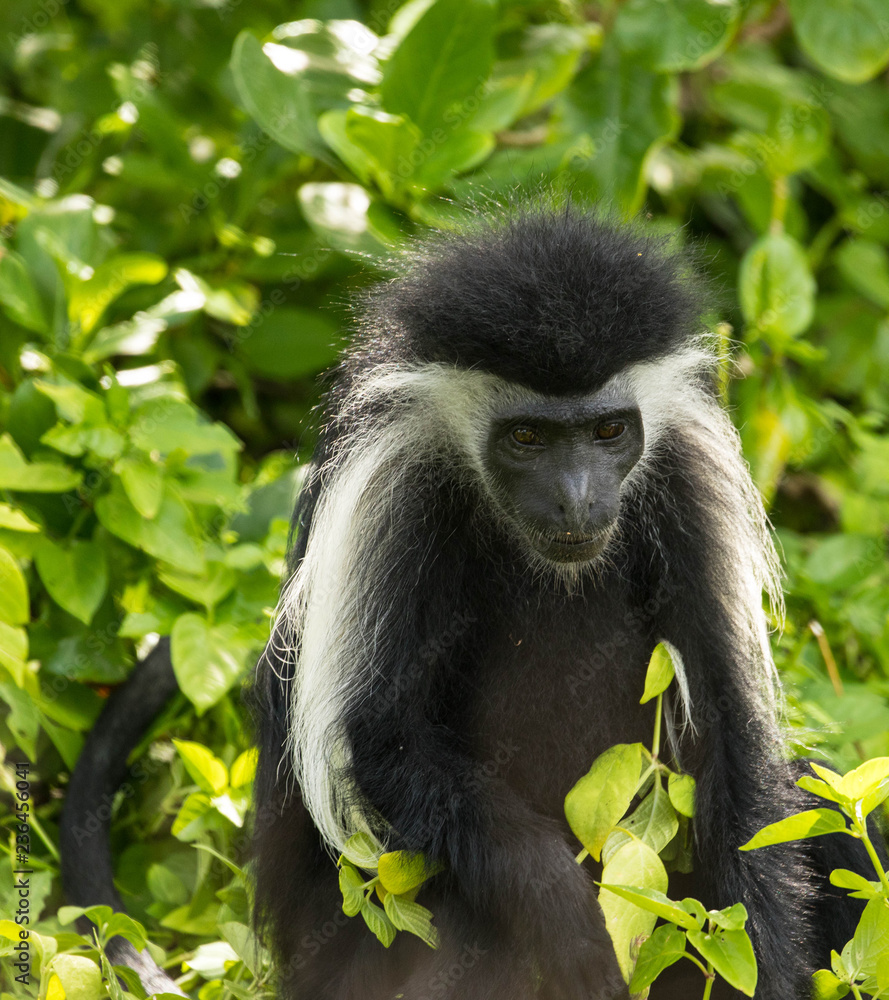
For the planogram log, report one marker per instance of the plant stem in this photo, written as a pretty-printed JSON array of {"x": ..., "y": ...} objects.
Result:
[
  {"x": 861, "y": 827},
  {"x": 779, "y": 205},
  {"x": 656, "y": 740},
  {"x": 584, "y": 854},
  {"x": 708, "y": 983},
  {"x": 697, "y": 962},
  {"x": 44, "y": 836}
]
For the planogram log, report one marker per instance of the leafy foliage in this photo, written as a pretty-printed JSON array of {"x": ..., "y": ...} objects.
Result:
[{"x": 188, "y": 193}]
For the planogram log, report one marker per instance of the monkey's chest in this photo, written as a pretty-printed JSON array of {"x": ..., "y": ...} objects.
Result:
[{"x": 557, "y": 691}]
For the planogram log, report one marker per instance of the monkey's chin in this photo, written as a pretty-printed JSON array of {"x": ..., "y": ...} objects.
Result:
[{"x": 573, "y": 547}]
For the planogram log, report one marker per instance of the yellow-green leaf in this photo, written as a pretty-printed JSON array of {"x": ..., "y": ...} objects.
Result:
[
  {"x": 14, "y": 609},
  {"x": 660, "y": 673},
  {"x": 205, "y": 768}
]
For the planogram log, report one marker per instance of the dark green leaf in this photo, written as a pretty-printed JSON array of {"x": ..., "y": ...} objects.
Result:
[
  {"x": 444, "y": 59},
  {"x": 626, "y": 113},
  {"x": 679, "y": 36},
  {"x": 208, "y": 659},
  {"x": 664, "y": 948},
  {"x": 848, "y": 40},
  {"x": 76, "y": 576}
]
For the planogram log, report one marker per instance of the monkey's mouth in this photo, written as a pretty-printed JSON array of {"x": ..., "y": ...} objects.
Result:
[{"x": 573, "y": 546}]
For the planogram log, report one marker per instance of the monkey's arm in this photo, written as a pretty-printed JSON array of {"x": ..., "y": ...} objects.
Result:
[{"x": 733, "y": 746}]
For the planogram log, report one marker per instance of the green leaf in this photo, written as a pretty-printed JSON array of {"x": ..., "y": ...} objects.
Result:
[
  {"x": 75, "y": 576},
  {"x": 90, "y": 298},
  {"x": 865, "y": 266},
  {"x": 678, "y": 36},
  {"x": 13, "y": 650},
  {"x": 232, "y": 867},
  {"x": 827, "y": 775},
  {"x": 732, "y": 918},
  {"x": 848, "y": 40},
  {"x": 143, "y": 482},
  {"x": 409, "y": 916},
  {"x": 660, "y": 673},
  {"x": 681, "y": 788},
  {"x": 621, "y": 114},
  {"x": 18, "y": 296},
  {"x": 72, "y": 401},
  {"x": 862, "y": 888},
  {"x": 286, "y": 87},
  {"x": 276, "y": 101},
  {"x": 363, "y": 851},
  {"x": 826, "y": 986},
  {"x": 288, "y": 342},
  {"x": 32, "y": 477},
  {"x": 784, "y": 125},
  {"x": 102, "y": 440},
  {"x": 375, "y": 145},
  {"x": 80, "y": 978},
  {"x": 664, "y": 948},
  {"x": 654, "y": 820},
  {"x": 444, "y": 59},
  {"x": 871, "y": 939},
  {"x": 731, "y": 954},
  {"x": 655, "y": 902},
  {"x": 206, "y": 769},
  {"x": 208, "y": 588},
  {"x": 776, "y": 287},
  {"x": 246, "y": 945},
  {"x": 14, "y": 604},
  {"x": 401, "y": 871},
  {"x": 124, "y": 925},
  {"x": 868, "y": 783},
  {"x": 14, "y": 520},
  {"x": 165, "y": 424},
  {"x": 23, "y": 718},
  {"x": 194, "y": 808},
  {"x": 130, "y": 337},
  {"x": 547, "y": 60},
  {"x": 635, "y": 864},
  {"x": 243, "y": 770},
  {"x": 208, "y": 659},
  {"x": 811, "y": 823},
  {"x": 842, "y": 560},
  {"x": 352, "y": 888},
  {"x": 172, "y": 536},
  {"x": 379, "y": 923},
  {"x": 599, "y": 800}
]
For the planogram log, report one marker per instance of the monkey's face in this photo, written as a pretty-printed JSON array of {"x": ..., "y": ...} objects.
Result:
[{"x": 557, "y": 468}]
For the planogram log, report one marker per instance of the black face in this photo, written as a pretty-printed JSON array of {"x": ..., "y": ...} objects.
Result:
[{"x": 558, "y": 467}]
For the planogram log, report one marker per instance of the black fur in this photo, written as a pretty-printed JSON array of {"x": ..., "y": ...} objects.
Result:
[
  {"x": 553, "y": 300},
  {"x": 87, "y": 869},
  {"x": 558, "y": 302}
]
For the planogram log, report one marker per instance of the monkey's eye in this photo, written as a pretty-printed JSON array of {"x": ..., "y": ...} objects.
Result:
[
  {"x": 526, "y": 436},
  {"x": 606, "y": 432}
]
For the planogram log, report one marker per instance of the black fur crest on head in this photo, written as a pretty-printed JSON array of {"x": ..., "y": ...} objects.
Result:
[{"x": 557, "y": 299}]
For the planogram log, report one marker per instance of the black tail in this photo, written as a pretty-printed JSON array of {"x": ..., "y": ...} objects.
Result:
[{"x": 87, "y": 871}]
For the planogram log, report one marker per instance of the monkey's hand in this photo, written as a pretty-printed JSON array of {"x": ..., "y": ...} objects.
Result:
[{"x": 549, "y": 905}]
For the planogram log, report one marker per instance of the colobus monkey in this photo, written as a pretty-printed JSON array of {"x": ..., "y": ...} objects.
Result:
[{"x": 524, "y": 481}]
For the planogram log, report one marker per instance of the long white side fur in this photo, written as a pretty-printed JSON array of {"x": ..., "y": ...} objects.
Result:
[{"x": 325, "y": 620}]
